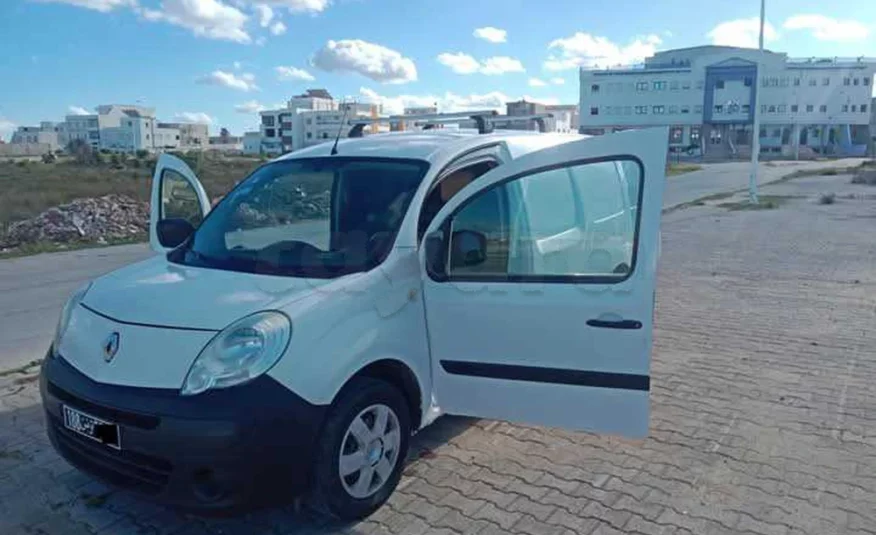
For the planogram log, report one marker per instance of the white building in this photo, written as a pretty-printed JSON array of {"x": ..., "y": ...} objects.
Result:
[
  {"x": 252, "y": 142},
  {"x": 312, "y": 99},
  {"x": 45, "y": 136},
  {"x": 706, "y": 96},
  {"x": 192, "y": 136},
  {"x": 276, "y": 126},
  {"x": 84, "y": 127}
]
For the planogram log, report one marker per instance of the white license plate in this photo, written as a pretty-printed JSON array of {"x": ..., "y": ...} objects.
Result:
[{"x": 106, "y": 433}]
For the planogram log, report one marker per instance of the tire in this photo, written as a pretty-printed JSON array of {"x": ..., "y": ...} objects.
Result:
[{"x": 351, "y": 496}]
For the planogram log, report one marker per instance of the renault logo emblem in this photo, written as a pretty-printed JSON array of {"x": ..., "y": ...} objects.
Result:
[{"x": 110, "y": 347}]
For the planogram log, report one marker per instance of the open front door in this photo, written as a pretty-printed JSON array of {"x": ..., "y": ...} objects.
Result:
[
  {"x": 540, "y": 286},
  {"x": 179, "y": 203}
]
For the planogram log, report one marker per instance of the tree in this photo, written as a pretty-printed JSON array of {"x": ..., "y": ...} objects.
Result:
[
  {"x": 224, "y": 134},
  {"x": 81, "y": 151}
]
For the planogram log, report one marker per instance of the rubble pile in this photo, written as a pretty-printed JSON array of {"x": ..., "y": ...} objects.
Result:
[{"x": 98, "y": 219}]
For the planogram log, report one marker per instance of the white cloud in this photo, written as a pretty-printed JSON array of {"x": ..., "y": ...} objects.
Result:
[
  {"x": 237, "y": 65},
  {"x": 459, "y": 62},
  {"x": 586, "y": 50},
  {"x": 501, "y": 65},
  {"x": 542, "y": 100},
  {"x": 293, "y": 73},
  {"x": 371, "y": 60},
  {"x": 6, "y": 128},
  {"x": 193, "y": 117},
  {"x": 98, "y": 5},
  {"x": 491, "y": 34},
  {"x": 302, "y": 6},
  {"x": 827, "y": 28},
  {"x": 264, "y": 13},
  {"x": 558, "y": 81},
  {"x": 537, "y": 82},
  {"x": 251, "y": 106},
  {"x": 278, "y": 28},
  {"x": 244, "y": 82},
  {"x": 213, "y": 19},
  {"x": 78, "y": 110},
  {"x": 462, "y": 63},
  {"x": 741, "y": 33}
]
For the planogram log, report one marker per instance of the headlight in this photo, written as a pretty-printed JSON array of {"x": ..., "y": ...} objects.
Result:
[
  {"x": 242, "y": 351},
  {"x": 67, "y": 313}
]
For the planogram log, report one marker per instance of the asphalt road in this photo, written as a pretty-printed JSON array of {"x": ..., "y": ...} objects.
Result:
[{"x": 33, "y": 289}]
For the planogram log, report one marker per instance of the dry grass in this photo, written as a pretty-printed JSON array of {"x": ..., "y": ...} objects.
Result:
[
  {"x": 35, "y": 186},
  {"x": 765, "y": 202},
  {"x": 675, "y": 169}
]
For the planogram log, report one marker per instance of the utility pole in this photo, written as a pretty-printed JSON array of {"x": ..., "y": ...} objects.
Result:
[{"x": 755, "y": 134}]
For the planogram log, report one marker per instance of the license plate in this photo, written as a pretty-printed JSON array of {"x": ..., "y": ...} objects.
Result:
[{"x": 94, "y": 428}]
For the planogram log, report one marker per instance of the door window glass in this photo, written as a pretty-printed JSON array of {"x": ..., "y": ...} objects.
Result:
[
  {"x": 179, "y": 199},
  {"x": 576, "y": 221}
]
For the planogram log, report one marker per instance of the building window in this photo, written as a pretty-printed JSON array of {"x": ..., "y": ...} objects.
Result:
[
  {"x": 676, "y": 134},
  {"x": 673, "y": 85},
  {"x": 783, "y": 82},
  {"x": 847, "y": 81},
  {"x": 777, "y": 133},
  {"x": 747, "y": 81},
  {"x": 793, "y": 108},
  {"x": 813, "y": 81},
  {"x": 268, "y": 120},
  {"x": 685, "y": 84},
  {"x": 822, "y": 108},
  {"x": 594, "y": 110},
  {"x": 854, "y": 108},
  {"x": 698, "y": 108},
  {"x": 695, "y": 134},
  {"x": 309, "y": 135},
  {"x": 845, "y": 107},
  {"x": 673, "y": 110},
  {"x": 658, "y": 110},
  {"x": 855, "y": 81},
  {"x": 782, "y": 108},
  {"x": 641, "y": 86},
  {"x": 659, "y": 86},
  {"x": 864, "y": 107},
  {"x": 762, "y": 132},
  {"x": 825, "y": 81},
  {"x": 719, "y": 84},
  {"x": 719, "y": 109},
  {"x": 685, "y": 109},
  {"x": 796, "y": 81},
  {"x": 810, "y": 108},
  {"x": 594, "y": 88},
  {"x": 746, "y": 109},
  {"x": 309, "y": 121},
  {"x": 325, "y": 135},
  {"x": 641, "y": 110},
  {"x": 865, "y": 81},
  {"x": 763, "y": 108},
  {"x": 269, "y": 132},
  {"x": 771, "y": 108}
]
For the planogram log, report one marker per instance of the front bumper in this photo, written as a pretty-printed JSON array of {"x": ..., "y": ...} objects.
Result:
[{"x": 222, "y": 450}]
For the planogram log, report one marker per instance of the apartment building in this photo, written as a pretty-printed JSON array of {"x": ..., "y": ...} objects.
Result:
[
  {"x": 707, "y": 94},
  {"x": 192, "y": 136},
  {"x": 83, "y": 127},
  {"x": 252, "y": 143},
  {"x": 45, "y": 137}
]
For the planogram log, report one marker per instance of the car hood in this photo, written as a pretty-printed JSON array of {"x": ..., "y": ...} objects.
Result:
[{"x": 159, "y": 293}]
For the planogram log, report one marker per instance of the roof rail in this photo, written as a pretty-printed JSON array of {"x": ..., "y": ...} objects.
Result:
[
  {"x": 486, "y": 124},
  {"x": 360, "y": 123}
]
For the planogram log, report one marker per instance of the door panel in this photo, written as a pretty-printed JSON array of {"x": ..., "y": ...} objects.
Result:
[
  {"x": 551, "y": 322},
  {"x": 176, "y": 194}
]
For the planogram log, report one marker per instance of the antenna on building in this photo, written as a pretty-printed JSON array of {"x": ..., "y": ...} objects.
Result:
[{"x": 340, "y": 128}]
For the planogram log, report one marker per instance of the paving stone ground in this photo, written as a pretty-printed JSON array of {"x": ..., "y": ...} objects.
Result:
[{"x": 764, "y": 388}]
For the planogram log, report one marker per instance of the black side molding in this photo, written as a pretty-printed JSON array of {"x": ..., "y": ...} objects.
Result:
[
  {"x": 535, "y": 374},
  {"x": 618, "y": 324}
]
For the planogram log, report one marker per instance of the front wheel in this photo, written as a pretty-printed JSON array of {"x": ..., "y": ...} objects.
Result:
[{"x": 362, "y": 449}]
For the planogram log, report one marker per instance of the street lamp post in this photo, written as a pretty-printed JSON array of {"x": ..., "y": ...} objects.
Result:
[{"x": 755, "y": 134}]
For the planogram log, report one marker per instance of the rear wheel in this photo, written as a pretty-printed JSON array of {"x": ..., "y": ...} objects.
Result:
[{"x": 362, "y": 449}]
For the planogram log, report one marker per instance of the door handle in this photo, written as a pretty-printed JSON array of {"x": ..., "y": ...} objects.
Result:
[{"x": 615, "y": 324}]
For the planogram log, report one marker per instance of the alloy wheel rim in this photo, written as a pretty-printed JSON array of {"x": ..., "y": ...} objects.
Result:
[{"x": 369, "y": 451}]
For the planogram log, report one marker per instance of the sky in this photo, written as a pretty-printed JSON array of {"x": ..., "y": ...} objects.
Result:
[{"x": 221, "y": 61}]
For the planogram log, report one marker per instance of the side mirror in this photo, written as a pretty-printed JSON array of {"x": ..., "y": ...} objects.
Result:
[
  {"x": 435, "y": 255},
  {"x": 468, "y": 248},
  {"x": 172, "y": 232}
]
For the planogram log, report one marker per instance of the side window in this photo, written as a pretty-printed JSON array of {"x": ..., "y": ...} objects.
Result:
[
  {"x": 448, "y": 186},
  {"x": 179, "y": 199},
  {"x": 577, "y": 221}
]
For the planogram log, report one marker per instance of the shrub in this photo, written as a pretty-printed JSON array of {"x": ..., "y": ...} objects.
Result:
[
  {"x": 22, "y": 163},
  {"x": 49, "y": 158},
  {"x": 142, "y": 153},
  {"x": 136, "y": 163},
  {"x": 827, "y": 198}
]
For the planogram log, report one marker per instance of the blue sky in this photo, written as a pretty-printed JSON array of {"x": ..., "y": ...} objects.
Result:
[{"x": 222, "y": 60}]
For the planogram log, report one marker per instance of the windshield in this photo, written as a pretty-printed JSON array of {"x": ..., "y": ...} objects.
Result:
[{"x": 311, "y": 218}]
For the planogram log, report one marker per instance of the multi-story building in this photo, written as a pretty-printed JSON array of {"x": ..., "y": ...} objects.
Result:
[
  {"x": 565, "y": 118},
  {"x": 312, "y": 99},
  {"x": 707, "y": 96},
  {"x": 136, "y": 129},
  {"x": 83, "y": 127},
  {"x": 410, "y": 125},
  {"x": 276, "y": 126},
  {"x": 45, "y": 136},
  {"x": 252, "y": 142},
  {"x": 192, "y": 136}
]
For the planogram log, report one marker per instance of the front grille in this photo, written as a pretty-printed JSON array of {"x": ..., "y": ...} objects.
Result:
[
  {"x": 142, "y": 421},
  {"x": 128, "y": 469}
]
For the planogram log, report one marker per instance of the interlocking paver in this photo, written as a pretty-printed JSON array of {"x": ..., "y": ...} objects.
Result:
[{"x": 763, "y": 383}]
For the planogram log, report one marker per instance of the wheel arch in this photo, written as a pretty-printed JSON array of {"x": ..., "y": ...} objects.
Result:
[{"x": 399, "y": 375}]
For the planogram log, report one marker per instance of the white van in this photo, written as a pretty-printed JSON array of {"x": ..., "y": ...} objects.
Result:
[{"x": 292, "y": 338}]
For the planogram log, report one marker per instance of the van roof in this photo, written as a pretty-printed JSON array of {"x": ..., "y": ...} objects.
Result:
[{"x": 420, "y": 145}]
